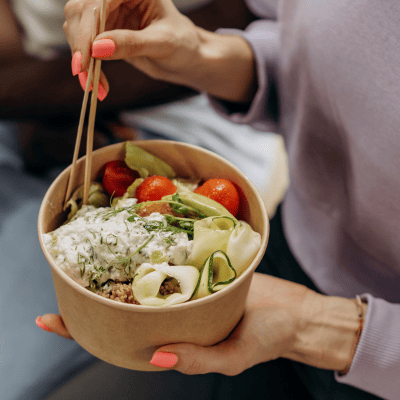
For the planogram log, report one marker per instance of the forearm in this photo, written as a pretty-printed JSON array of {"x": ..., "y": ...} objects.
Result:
[
  {"x": 224, "y": 67},
  {"x": 326, "y": 334}
]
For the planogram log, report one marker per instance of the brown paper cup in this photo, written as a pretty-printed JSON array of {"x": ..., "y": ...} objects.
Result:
[{"x": 127, "y": 335}]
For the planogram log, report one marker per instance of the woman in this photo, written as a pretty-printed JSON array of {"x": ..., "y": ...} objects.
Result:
[{"x": 332, "y": 67}]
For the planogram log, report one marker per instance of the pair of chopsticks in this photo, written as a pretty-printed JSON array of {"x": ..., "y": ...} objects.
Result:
[{"x": 93, "y": 78}]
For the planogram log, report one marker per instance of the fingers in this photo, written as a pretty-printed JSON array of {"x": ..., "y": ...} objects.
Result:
[
  {"x": 124, "y": 44},
  {"x": 53, "y": 323},
  {"x": 229, "y": 357},
  {"x": 104, "y": 86},
  {"x": 80, "y": 28}
]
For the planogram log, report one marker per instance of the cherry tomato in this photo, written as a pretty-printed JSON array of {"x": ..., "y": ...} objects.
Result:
[
  {"x": 118, "y": 177},
  {"x": 154, "y": 188}
]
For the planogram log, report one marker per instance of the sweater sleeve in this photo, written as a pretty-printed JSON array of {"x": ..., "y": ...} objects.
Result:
[
  {"x": 376, "y": 363},
  {"x": 263, "y": 111}
]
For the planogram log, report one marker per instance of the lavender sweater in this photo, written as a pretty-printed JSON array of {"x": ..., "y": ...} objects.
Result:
[{"x": 335, "y": 68}]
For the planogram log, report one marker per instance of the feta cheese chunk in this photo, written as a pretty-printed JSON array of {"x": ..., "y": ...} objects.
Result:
[{"x": 101, "y": 244}]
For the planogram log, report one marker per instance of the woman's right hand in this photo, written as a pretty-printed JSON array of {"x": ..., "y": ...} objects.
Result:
[
  {"x": 152, "y": 35},
  {"x": 157, "y": 39}
]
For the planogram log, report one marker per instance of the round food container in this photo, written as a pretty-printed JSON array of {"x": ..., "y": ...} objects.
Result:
[{"x": 127, "y": 335}]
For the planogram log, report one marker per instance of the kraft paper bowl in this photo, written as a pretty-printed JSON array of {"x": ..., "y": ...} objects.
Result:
[{"x": 127, "y": 335}]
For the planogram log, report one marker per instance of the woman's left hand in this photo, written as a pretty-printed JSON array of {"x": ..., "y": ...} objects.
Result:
[
  {"x": 281, "y": 319},
  {"x": 267, "y": 331}
]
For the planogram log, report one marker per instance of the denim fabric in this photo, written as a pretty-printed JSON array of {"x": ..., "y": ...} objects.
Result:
[{"x": 32, "y": 361}]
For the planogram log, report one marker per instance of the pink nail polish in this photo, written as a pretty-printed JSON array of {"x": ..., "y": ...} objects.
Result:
[
  {"x": 76, "y": 63},
  {"x": 83, "y": 79},
  {"x": 102, "y": 93},
  {"x": 103, "y": 48},
  {"x": 41, "y": 325},
  {"x": 163, "y": 359}
]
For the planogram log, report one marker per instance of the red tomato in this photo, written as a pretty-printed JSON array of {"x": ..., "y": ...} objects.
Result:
[
  {"x": 118, "y": 177},
  {"x": 222, "y": 191},
  {"x": 154, "y": 188}
]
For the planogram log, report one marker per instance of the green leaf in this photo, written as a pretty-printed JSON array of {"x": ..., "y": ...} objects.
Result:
[{"x": 145, "y": 163}]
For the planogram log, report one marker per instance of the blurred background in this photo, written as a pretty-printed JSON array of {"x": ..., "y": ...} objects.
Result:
[{"x": 40, "y": 103}]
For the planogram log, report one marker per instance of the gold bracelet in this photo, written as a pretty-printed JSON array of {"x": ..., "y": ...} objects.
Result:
[{"x": 358, "y": 334}]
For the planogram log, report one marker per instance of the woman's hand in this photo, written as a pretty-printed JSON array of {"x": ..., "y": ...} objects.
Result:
[
  {"x": 53, "y": 323},
  {"x": 154, "y": 37},
  {"x": 267, "y": 330},
  {"x": 281, "y": 319}
]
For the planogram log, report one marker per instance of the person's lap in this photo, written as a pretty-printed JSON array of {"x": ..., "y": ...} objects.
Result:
[
  {"x": 274, "y": 380},
  {"x": 45, "y": 361}
]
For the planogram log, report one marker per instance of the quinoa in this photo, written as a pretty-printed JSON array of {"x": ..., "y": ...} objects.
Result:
[
  {"x": 121, "y": 292},
  {"x": 170, "y": 286}
]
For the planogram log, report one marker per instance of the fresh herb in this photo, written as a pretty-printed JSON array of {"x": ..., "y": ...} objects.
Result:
[
  {"x": 134, "y": 217},
  {"x": 125, "y": 262},
  {"x": 178, "y": 224},
  {"x": 169, "y": 240},
  {"x": 82, "y": 262},
  {"x": 108, "y": 242},
  {"x": 152, "y": 226}
]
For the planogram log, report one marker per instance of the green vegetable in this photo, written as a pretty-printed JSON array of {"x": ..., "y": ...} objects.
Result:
[
  {"x": 97, "y": 198},
  {"x": 145, "y": 163},
  {"x": 157, "y": 257},
  {"x": 186, "y": 185},
  {"x": 131, "y": 191},
  {"x": 216, "y": 273},
  {"x": 206, "y": 206}
]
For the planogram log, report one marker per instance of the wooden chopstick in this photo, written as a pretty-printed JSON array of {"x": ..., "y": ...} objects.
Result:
[
  {"x": 72, "y": 175},
  {"x": 92, "y": 114},
  {"x": 93, "y": 77}
]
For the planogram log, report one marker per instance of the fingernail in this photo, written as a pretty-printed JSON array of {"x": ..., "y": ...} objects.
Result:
[
  {"x": 41, "y": 325},
  {"x": 76, "y": 63},
  {"x": 102, "y": 93},
  {"x": 163, "y": 359},
  {"x": 103, "y": 48},
  {"x": 83, "y": 79}
]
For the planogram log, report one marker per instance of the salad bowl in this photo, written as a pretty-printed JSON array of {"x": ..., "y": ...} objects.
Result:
[{"x": 127, "y": 335}]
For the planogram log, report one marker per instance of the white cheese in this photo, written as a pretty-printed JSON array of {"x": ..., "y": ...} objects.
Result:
[{"x": 100, "y": 244}]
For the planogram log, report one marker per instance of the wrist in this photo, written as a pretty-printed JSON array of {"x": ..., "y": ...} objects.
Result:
[
  {"x": 327, "y": 332},
  {"x": 224, "y": 67}
]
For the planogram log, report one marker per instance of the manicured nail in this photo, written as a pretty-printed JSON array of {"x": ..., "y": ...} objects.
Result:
[
  {"x": 103, "y": 48},
  {"x": 41, "y": 325},
  {"x": 76, "y": 63},
  {"x": 83, "y": 79},
  {"x": 102, "y": 93},
  {"x": 163, "y": 359}
]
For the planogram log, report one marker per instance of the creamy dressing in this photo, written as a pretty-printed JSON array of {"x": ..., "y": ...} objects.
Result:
[{"x": 100, "y": 244}]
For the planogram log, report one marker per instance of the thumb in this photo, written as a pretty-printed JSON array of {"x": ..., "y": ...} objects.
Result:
[
  {"x": 53, "y": 323},
  {"x": 228, "y": 357},
  {"x": 122, "y": 44}
]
